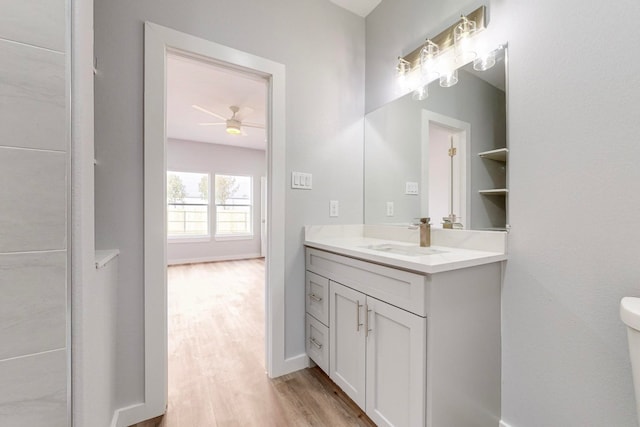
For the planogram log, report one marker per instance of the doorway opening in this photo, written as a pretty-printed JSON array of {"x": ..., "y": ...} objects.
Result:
[
  {"x": 445, "y": 160},
  {"x": 159, "y": 43},
  {"x": 216, "y": 166}
]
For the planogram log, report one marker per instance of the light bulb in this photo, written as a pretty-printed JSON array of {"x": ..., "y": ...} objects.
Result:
[
  {"x": 420, "y": 94},
  {"x": 449, "y": 79},
  {"x": 402, "y": 69},
  {"x": 462, "y": 35},
  {"x": 428, "y": 54},
  {"x": 484, "y": 62}
]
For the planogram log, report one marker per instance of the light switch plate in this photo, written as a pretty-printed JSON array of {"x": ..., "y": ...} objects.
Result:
[
  {"x": 411, "y": 188},
  {"x": 301, "y": 181},
  {"x": 333, "y": 208},
  {"x": 389, "y": 208}
]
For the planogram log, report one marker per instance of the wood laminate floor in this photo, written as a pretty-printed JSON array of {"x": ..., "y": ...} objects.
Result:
[{"x": 216, "y": 358}]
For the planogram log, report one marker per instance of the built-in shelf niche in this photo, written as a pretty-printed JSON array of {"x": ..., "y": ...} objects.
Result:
[{"x": 498, "y": 155}]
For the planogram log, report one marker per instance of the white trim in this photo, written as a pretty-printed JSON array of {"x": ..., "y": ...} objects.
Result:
[
  {"x": 503, "y": 424},
  {"x": 159, "y": 40},
  {"x": 128, "y": 415},
  {"x": 464, "y": 151},
  {"x": 187, "y": 239},
  {"x": 296, "y": 363},
  {"x": 212, "y": 259},
  {"x": 226, "y": 237}
]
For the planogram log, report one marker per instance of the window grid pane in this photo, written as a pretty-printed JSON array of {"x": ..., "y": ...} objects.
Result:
[
  {"x": 187, "y": 204},
  {"x": 234, "y": 200}
]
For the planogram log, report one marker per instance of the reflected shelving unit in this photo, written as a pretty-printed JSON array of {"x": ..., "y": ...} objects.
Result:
[{"x": 499, "y": 155}]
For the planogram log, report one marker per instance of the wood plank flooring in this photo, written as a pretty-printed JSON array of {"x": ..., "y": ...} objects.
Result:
[{"x": 216, "y": 358}]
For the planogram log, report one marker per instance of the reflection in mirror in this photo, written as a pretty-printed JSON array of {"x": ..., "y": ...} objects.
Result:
[{"x": 408, "y": 170}]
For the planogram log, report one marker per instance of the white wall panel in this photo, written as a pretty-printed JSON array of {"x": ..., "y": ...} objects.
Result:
[
  {"x": 32, "y": 97},
  {"x": 33, "y": 193},
  {"x": 33, "y": 303},
  {"x": 33, "y": 390},
  {"x": 36, "y": 22}
]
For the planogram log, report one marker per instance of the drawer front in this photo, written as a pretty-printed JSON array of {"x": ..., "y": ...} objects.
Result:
[
  {"x": 318, "y": 343},
  {"x": 403, "y": 289},
  {"x": 318, "y": 297}
]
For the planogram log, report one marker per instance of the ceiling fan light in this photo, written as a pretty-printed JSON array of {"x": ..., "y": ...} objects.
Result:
[
  {"x": 233, "y": 130},
  {"x": 233, "y": 126}
]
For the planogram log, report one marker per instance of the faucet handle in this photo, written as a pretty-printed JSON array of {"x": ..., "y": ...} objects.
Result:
[{"x": 424, "y": 220}]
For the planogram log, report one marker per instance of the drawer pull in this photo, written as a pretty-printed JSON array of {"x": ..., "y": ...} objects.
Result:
[
  {"x": 366, "y": 320},
  {"x": 315, "y": 297},
  {"x": 358, "y": 324},
  {"x": 316, "y": 343}
]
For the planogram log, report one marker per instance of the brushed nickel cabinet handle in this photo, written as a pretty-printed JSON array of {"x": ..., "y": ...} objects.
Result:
[
  {"x": 315, "y": 297},
  {"x": 366, "y": 320},
  {"x": 358, "y": 324},
  {"x": 316, "y": 343}
]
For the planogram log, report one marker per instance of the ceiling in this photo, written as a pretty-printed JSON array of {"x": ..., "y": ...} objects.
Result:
[
  {"x": 359, "y": 7},
  {"x": 196, "y": 82}
]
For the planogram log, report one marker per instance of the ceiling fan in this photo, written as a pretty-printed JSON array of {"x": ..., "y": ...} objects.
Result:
[{"x": 233, "y": 124}]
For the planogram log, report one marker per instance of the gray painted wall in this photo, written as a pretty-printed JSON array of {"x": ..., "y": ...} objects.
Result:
[
  {"x": 573, "y": 138},
  {"x": 322, "y": 47},
  {"x": 200, "y": 157}
]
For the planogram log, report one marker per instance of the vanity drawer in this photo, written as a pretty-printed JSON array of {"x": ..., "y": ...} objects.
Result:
[
  {"x": 318, "y": 297},
  {"x": 401, "y": 288},
  {"x": 318, "y": 343}
]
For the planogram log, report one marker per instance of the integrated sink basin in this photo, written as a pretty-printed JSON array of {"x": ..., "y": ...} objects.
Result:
[{"x": 406, "y": 250}]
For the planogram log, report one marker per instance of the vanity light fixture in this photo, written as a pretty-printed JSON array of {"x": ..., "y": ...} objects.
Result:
[{"x": 441, "y": 55}]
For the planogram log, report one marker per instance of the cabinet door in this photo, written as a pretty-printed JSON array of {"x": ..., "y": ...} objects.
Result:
[
  {"x": 347, "y": 347},
  {"x": 396, "y": 365}
]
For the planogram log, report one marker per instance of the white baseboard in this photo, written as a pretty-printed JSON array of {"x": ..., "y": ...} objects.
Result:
[
  {"x": 292, "y": 364},
  {"x": 213, "y": 259},
  {"x": 129, "y": 415},
  {"x": 503, "y": 424}
]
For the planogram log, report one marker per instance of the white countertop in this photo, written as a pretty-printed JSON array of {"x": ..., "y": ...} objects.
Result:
[{"x": 460, "y": 248}]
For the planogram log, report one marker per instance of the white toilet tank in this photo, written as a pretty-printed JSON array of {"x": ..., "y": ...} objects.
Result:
[{"x": 630, "y": 315}]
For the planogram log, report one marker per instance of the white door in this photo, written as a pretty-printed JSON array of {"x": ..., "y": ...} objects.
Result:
[
  {"x": 347, "y": 347},
  {"x": 396, "y": 366}
]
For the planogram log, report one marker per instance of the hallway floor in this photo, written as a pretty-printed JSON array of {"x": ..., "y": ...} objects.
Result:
[{"x": 216, "y": 357}]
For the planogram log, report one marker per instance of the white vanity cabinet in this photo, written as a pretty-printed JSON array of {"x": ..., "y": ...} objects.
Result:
[
  {"x": 377, "y": 354},
  {"x": 411, "y": 349}
]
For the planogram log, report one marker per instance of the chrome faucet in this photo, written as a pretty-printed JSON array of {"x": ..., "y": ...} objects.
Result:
[{"x": 425, "y": 232}]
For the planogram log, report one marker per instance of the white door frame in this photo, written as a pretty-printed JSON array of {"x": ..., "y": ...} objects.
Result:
[
  {"x": 464, "y": 150},
  {"x": 159, "y": 40}
]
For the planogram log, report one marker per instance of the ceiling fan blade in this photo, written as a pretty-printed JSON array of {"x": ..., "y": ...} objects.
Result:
[
  {"x": 204, "y": 110},
  {"x": 210, "y": 124},
  {"x": 252, "y": 125}
]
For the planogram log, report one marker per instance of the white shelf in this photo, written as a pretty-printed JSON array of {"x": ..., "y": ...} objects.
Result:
[
  {"x": 500, "y": 154},
  {"x": 495, "y": 192}
]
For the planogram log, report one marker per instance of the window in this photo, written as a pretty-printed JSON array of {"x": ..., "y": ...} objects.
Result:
[
  {"x": 187, "y": 204},
  {"x": 234, "y": 201}
]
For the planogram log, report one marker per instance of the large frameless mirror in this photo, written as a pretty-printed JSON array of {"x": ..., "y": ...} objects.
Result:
[{"x": 444, "y": 156}]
